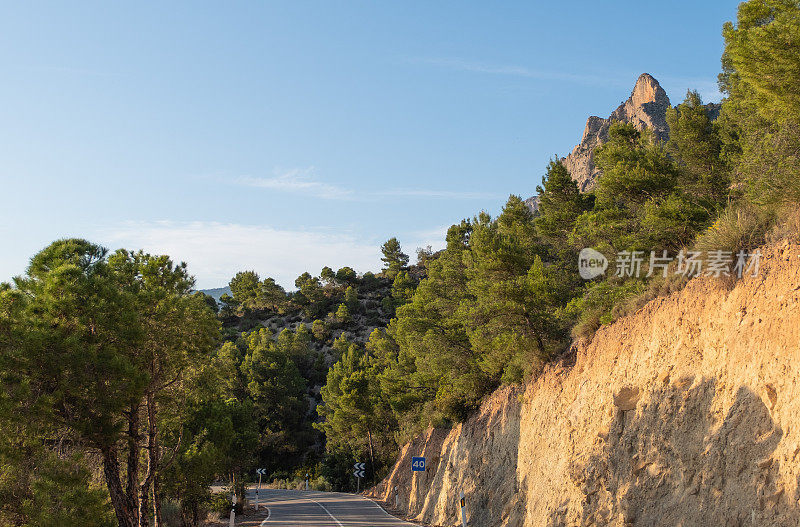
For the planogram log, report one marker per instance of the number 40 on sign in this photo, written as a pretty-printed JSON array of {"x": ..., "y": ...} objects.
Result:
[{"x": 418, "y": 464}]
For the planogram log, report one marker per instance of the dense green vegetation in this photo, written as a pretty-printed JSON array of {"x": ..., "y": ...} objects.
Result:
[{"x": 125, "y": 392}]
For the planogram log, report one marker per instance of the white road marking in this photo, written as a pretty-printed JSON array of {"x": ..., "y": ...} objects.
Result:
[
  {"x": 329, "y": 512},
  {"x": 334, "y": 518},
  {"x": 269, "y": 512},
  {"x": 387, "y": 512}
]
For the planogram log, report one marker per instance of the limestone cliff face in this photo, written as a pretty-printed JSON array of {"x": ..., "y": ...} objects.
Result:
[
  {"x": 645, "y": 108},
  {"x": 684, "y": 413}
]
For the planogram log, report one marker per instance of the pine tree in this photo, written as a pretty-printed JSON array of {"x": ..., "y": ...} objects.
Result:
[
  {"x": 511, "y": 322},
  {"x": 277, "y": 389},
  {"x": 695, "y": 144},
  {"x": 394, "y": 259},
  {"x": 245, "y": 288},
  {"x": 270, "y": 296},
  {"x": 355, "y": 416},
  {"x": 327, "y": 275},
  {"x": 759, "y": 123},
  {"x": 640, "y": 204},
  {"x": 430, "y": 333},
  {"x": 762, "y": 57},
  {"x": 111, "y": 342},
  {"x": 560, "y": 204},
  {"x": 351, "y": 299},
  {"x": 319, "y": 330},
  {"x": 343, "y": 314}
]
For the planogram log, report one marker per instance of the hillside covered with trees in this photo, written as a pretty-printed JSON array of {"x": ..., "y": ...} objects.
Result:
[{"x": 126, "y": 393}]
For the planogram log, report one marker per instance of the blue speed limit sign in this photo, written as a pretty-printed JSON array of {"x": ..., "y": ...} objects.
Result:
[{"x": 418, "y": 464}]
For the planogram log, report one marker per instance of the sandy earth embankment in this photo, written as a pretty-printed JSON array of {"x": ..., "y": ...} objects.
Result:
[{"x": 684, "y": 413}]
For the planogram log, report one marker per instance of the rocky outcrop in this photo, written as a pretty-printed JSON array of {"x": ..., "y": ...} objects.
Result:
[
  {"x": 684, "y": 413},
  {"x": 532, "y": 203},
  {"x": 645, "y": 108}
]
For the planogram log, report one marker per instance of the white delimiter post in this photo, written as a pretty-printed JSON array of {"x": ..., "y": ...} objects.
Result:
[
  {"x": 233, "y": 510},
  {"x": 396, "y": 498},
  {"x": 463, "y": 510},
  {"x": 257, "y": 489}
]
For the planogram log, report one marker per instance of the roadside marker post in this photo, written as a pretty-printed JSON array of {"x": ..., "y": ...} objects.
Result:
[
  {"x": 306, "y": 480},
  {"x": 233, "y": 510},
  {"x": 463, "y": 510},
  {"x": 358, "y": 472},
  {"x": 396, "y": 498}
]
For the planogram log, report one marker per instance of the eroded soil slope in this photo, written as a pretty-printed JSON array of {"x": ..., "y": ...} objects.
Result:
[{"x": 685, "y": 413}]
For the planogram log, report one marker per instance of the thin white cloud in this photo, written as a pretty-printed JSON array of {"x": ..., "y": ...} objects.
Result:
[
  {"x": 436, "y": 194},
  {"x": 516, "y": 71},
  {"x": 302, "y": 181},
  {"x": 297, "y": 180},
  {"x": 434, "y": 238},
  {"x": 676, "y": 88},
  {"x": 70, "y": 70},
  {"x": 215, "y": 251}
]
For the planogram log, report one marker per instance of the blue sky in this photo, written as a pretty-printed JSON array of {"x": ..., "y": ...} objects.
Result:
[{"x": 285, "y": 136}]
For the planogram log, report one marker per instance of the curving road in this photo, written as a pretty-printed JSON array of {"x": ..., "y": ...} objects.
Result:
[{"x": 296, "y": 508}]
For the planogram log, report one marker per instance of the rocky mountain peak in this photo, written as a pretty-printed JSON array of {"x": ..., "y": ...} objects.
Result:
[
  {"x": 645, "y": 108},
  {"x": 647, "y": 90}
]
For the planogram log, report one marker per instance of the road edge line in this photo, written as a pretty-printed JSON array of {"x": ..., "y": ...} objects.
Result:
[
  {"x": 265, "y": 520},
  {"x": 389, "y": 514},
  {"x": 328, "y": 512}
]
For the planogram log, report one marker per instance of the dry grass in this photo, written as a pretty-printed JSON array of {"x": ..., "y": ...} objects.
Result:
[
  {"x": 787, "y": 225},
  {"x": 738, "y": 228}
]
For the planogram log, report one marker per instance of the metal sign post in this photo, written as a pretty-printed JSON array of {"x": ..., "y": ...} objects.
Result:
[
  {"x": 260, "y": 472},
  {"x": 358, "y": 472}
]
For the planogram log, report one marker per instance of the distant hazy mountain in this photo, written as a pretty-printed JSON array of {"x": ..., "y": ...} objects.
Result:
[{"x": 216, "y": 292}]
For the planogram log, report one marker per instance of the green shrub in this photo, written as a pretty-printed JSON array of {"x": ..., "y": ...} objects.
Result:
[
  {"x": 656, "y": 287},
  {"x": 171, "y": 513},
  {"x": 599, "y": 305},
  {"x": 220, "y": 503},
  {"x": 320, "y": 483}
]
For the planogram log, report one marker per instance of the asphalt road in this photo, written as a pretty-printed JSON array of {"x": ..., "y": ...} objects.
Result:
[{"x": 296, "y": 508}]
